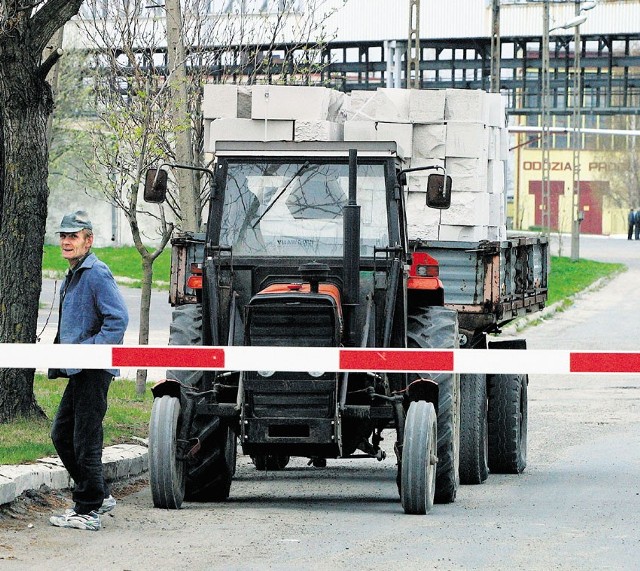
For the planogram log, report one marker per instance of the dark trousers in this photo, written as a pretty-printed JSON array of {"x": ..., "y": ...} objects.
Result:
[{"x": 77, "y": 436}]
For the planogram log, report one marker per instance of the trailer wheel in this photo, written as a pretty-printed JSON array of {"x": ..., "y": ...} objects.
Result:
[
  {"x": 186, "y": 329},
  {"x": 507, "y": 423},
  {"x": 166, "y": 471},
  {"x": 272, "y": 462},
  {"x": 209, "y": 475},
  {"x": 437, "y": 328},
  {"x": 419, "y": 460},
  {"x": 473, "y": 429}
]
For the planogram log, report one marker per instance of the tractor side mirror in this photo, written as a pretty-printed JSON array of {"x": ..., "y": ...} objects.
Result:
[
  {"x": 438, "y": 193},
  {"x": 155, "y": 186}
]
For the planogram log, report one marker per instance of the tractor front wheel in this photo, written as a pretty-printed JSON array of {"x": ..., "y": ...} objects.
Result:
[
  {"x": 166, "y": 470},
  {"x": 419, "y": 459}
]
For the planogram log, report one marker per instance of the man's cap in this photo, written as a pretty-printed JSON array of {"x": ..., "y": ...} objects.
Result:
[{"x": 75, "y": 221}]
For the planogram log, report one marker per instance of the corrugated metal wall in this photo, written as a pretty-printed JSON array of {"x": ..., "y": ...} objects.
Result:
[{"x": 364, "y": 20}]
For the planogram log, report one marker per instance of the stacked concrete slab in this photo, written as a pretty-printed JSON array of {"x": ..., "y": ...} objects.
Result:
[{"x": 462, "y": 131}]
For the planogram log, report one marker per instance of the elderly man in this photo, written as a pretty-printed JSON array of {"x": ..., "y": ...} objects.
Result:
[{"x": 92, "y": 311}]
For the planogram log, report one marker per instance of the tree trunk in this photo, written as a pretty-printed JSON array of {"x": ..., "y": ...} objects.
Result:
[
  {"x": 25, "y": 104},
  {"x": 145, "y": 305}
]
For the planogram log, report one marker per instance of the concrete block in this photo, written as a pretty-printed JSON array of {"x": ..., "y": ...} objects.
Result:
[
  {"x": 493, "y": 149},
  {"x": 495, "y": 177},
  {"x": 220, "y": 100},
  {"x": 249, "y": 130},
  {"x": 494, "y": 110},
  {"x": 7, "y": 490},
  {"x": 505, "y": 141},
  {"x": 467, "y": 208},
  {"x": 496, "y": 210},
  {"x": 465, "y": 105},
  {"x": 401, "y": 133},
  {"x": 422, "y": 221},
  {"x": 318, "y": 131},
  {"x": 466, "y": 139},
  {"x": 463, "y": 233},
  {"x": 360, "y": 131},
  {"x": 429, "y": 141},
  {"x": 290, "y": 103},
  {"x": 459, "y": 166},
  {"x": 426, "y": 105}
]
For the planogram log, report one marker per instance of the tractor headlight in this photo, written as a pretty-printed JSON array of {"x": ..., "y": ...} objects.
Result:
[
  {"x": 266, "y": 373},
  {"x": 316, "y": 374}
]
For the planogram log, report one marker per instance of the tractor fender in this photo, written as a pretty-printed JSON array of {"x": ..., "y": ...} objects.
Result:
[
  {"x": 164, "y": 387},
  {"x": 421, "y": 389}
]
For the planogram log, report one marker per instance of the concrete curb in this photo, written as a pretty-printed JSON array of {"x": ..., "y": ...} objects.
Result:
[{"x": 119, "y": 462}]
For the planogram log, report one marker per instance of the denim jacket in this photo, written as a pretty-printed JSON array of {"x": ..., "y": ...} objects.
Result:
[{"x": 93, "y": 310}]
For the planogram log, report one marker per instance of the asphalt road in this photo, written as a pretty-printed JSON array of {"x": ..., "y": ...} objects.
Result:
[{"x": 575, "y": 507}]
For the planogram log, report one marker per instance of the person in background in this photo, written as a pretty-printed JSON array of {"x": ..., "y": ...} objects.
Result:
[
  {"x": 631, "y": 221},
  {"x": 92, "y": 311},
  {"x": 637, "y": 224}
]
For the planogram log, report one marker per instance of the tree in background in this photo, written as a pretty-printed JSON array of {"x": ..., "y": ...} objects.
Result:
[
  {"x": 135, "y": 95},
  {"x": 26, "y": 101}
]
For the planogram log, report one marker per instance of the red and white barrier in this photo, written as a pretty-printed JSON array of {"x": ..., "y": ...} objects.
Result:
[{"x": 34, "y": 356}]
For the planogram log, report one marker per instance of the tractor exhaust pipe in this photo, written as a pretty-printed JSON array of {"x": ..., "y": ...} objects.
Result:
[{"x": 351, "y": 246}]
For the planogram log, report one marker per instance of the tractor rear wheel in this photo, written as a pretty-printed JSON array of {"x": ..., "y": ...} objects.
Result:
[
  {"x": 437, "y": 328},
  {"x": 507, "y": 423},
  {"x": 473, "y": 429},
  {"x": 418, "y": 470},
  {"x": 186, "y": 329},
  {"x": 166, "y": 471}
]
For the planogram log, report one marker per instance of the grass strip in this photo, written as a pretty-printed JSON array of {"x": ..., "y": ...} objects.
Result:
[{"x": 26, "y": 440}]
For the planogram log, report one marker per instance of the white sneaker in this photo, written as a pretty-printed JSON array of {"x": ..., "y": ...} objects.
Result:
[
  {"x": 107, "y": 505},
  {"x": 90, "y": 521}
]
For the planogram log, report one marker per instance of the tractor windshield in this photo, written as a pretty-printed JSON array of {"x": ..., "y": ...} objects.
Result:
[{"x": 295, "y": 209}]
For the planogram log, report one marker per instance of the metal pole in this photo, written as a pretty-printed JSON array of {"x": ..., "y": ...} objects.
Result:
[
  {"x": 413, "y": 46},
  {"x": 577, "y": 141},
  {"x": 545, "y": 138},
  {"x": 495, "y": 46}
]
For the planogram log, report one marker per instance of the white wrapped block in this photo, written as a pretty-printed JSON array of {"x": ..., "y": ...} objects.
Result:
[
  {"x": 494, "y": 110},
  {"x": 466, "y": 139},
  {"x": 495, "y": 177},
  {"x": 318, "y": 131},
  {"x": 386, "y": 104},
  {"x": 463, "y": 233},
  {"x": 248, "y": 130},
  {"x": 426, "y": 105},
  {"x": 402, "y": 134},
  {"x": 494, "y": 143},
  {"x": 361, "y": 106},
  {"x": 465, "y": 105},
  {"x": 391, "y": 105},
  {"x": 220, "y": 100},
  {"x": 496, "y": 210},
  {"x": 504, "y": 144},
  {"x": 429, "y": 141},
  {"x": 287, "y": 102},
  {"x": 422, "y": 221},
  {"x": 467, "y": 208},
  {"x": 418, "y": 162},
  {"x": 360, "y": 131},
  {"x": 337, "y": 106},
  {"x": 468, "y": 175}
]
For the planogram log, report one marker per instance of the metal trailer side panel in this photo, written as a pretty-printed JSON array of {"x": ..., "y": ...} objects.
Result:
[{"x": 489, "y": 283}]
